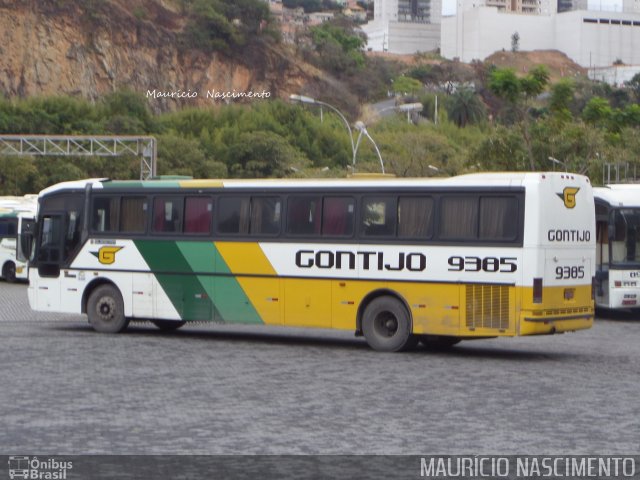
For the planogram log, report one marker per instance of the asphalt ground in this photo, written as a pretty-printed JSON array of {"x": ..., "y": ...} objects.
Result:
[{"x": 221, "y": 389}]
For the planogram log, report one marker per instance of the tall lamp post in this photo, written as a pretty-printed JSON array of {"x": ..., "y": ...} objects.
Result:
[
  {"x": 361, "y": 127},
  {"x": 313, "y": 101},
  {"x": 558, "y": 162}
]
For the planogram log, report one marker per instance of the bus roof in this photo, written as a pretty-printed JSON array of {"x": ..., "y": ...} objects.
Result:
[
  {"x": 505, "y": 179},
  {"x": 11, "y": 206},
  {"x": 619, "y": 195}
]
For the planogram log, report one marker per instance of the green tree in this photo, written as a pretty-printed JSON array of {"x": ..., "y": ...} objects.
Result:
[
  {"x": 634, "y": 85},
  {"x": 518, "y": 92},
  {"x": 181, "y": 156},
  {"x": 15, "y": 173},
  {"x": 502, "y": 149},
  {"x": 127, "y": 112},
  {"x": 464, "y": 106},
  {"x": 561, "y": 100},
  {"x": 406, "y": 85},
  {"x": 260, "y": 154},
  {"x": 337, "y": 47},
  {"x": 598, "y": 112}
]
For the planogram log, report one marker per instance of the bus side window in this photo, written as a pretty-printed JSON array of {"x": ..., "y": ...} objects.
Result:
[
  {"x": 198, "y": 213},
  {"x": 167, "y": 214},
  {"x": 378, "y": 217},
  {"x": 8, "y": 228},
  {"x": 415, "y": 217},
  {"x": 233, "y": 215},
  {"x": 458, "y": 218},
  {"x": 133, "y": 214},
  {"x": 337, "y": 216},
  {"x": 104, "y": 214},
  {"x": 498, "y": 218},
  {"x": 265, "y": 215},
  {"x": 303, "y": 215}
]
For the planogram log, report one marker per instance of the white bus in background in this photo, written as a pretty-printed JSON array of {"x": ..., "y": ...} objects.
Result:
[
  {"x": 17, "y": 216},
  {"x": 618, "y": 246}
]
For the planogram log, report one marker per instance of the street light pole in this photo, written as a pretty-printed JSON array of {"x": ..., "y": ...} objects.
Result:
[
  {"x": 556, "y": 161},
  {"x": 363, "y": 131},
  {"x": 313, "y": 101}
]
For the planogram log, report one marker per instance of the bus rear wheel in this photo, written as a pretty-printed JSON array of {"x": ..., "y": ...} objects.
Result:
[
  {"x": 9, "y": 272},
  {"x": 387, "y": 326},
  {"x": 105, "y": 310},
  {"x": 168, "y": 325}
]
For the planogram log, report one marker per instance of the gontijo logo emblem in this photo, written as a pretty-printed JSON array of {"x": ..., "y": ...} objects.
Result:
[
  {"x": 568, "y": 196},
  {"x": 107, "y": 255}
]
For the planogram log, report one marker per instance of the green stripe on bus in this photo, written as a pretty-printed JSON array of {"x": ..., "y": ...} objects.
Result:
[
  {"x": 230, "y": 300},
  {"x": 197, "y": 297},
  {"x": 142, "y": 184}
]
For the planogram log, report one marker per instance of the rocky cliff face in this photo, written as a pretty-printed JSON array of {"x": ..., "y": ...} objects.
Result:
[{"x": 50, "y": 47}]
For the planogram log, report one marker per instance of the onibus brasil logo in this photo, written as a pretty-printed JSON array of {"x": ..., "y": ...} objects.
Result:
[{"x": 35, "y": 469}]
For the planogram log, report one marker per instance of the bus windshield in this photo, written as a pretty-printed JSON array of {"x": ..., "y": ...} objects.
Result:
[{"x": 625, "y": 242}]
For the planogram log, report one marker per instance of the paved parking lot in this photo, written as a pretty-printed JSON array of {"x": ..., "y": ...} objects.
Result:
[{"x": 211, "y": 389}]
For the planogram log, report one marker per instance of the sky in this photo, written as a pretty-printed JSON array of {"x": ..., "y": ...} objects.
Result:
[{"x": 449, "y": 6}]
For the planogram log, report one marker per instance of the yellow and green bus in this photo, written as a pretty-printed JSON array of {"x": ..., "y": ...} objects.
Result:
[{"x": 395, "y": 260}]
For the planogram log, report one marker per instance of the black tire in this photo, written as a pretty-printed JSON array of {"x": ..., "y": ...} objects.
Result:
[
  {"x": 9, "y": 272},
  {"x": 386, "y": 325},
  {"x": 438, "y": 342},
  {"x": 105, "y": 310},
  {"x": 168, "y": 325}
]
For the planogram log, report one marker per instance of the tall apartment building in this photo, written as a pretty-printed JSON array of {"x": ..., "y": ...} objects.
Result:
[
  {"x": 532, "y": 7},
  {"x": 404, "y": 26}
]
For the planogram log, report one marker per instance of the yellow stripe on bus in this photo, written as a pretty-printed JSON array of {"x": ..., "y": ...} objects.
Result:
[
  {"x": 200, "y": 183},
  {"x": 264, "y": 293}
]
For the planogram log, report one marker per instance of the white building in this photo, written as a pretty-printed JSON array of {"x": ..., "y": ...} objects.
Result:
[
  {"x": 589, "y": 38},
  {"x": 404, "y": 26}
]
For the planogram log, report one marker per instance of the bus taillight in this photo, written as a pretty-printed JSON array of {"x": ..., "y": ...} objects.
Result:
[{"x": 537, "y": 290}]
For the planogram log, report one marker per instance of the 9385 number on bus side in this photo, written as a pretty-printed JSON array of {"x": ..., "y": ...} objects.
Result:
[{"x": 486, "y": 264}]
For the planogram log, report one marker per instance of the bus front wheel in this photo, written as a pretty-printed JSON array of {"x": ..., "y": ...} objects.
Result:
[
  {"x": 9, "y": 272},
  {"x": 105, "y": 310},
  {"x": 387, "y": 326}
]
